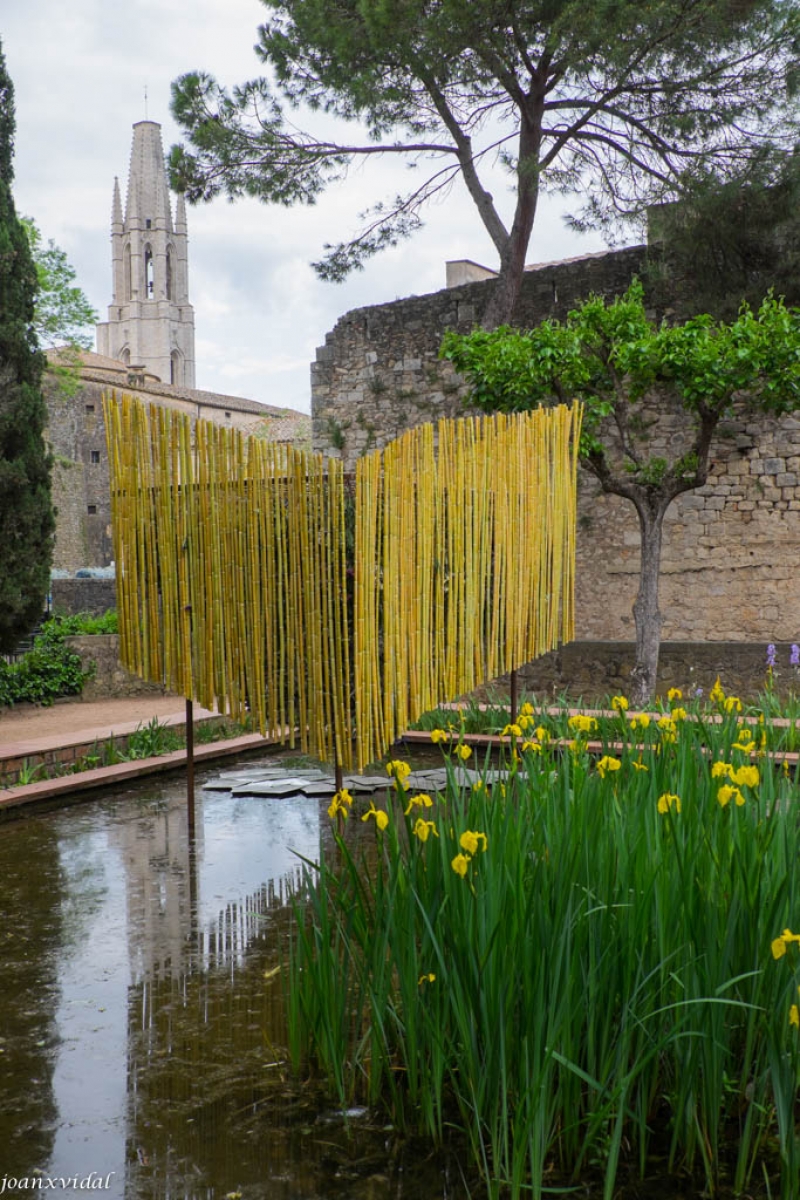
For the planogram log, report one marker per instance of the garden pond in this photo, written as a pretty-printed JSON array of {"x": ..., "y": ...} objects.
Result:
[{"x": 141, "y": 1014}]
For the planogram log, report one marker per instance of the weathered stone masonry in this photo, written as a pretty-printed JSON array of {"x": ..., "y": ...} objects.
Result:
[{"x": 731, "y": 549}]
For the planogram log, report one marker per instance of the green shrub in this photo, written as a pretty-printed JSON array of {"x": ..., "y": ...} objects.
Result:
[
  {"x": 77, "y": 624},
  {"x": 50, "y": 669}
]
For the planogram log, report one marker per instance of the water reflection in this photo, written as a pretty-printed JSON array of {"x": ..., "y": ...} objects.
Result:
[
  {"x": 30, "y": 935},
  {"x": 141, "y": 1014}
]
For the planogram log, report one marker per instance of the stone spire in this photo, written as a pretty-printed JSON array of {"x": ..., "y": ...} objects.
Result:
[{"x": 150, "y": 320}]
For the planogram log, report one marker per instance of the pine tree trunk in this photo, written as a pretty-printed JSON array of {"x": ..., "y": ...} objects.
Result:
[
  {"x": 645, "y": 609},
  {"x": 503, "y": 300},
  {"x": 505, "y": 293}
]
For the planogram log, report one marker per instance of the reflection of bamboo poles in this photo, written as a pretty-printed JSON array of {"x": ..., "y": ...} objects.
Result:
[{"x": 464, "y": 568}]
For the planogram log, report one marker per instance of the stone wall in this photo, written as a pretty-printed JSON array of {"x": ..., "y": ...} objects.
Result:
[
  {"x": 110, "y": 679},
  {"x": 379, "y": 373},
  {"x": 591, "y": 670},
  {"x": 95, "y": 596},
  {"x": 730, "y": 548},
  {"x": 81, "y": 493}
]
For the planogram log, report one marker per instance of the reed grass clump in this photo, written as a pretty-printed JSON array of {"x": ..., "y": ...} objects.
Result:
[{"x": 587, "y": 966}]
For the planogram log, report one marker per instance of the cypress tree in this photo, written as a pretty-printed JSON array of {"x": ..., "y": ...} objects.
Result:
[{"x": 27, "y": 520}]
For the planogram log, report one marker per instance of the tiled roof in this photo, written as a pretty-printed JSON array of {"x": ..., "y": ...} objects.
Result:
[{"x": 101, "y": 369}]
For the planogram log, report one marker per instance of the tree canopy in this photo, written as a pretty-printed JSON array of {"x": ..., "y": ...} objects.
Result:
[
  {"x": 62, "y": 313},
  {"x": 625, "y": 369},
  {"x": 621, "y": 103},
  {"x": 26, "y": 512}
]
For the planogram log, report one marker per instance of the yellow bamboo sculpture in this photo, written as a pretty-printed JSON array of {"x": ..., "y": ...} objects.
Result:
[
  {"x": 465, "y": 560},
  {"x": 231, "y": 578},
  {"x": 232, "y": 582}
]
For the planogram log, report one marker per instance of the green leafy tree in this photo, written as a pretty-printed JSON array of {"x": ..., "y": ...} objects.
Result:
[
  {"x": 26, "y": 511},
  {"x": 728, "y": 243},
  {"x": 625, "y": 369},
  {"x": 621, "y": 102},
  {"x": 62, "y": 314}
]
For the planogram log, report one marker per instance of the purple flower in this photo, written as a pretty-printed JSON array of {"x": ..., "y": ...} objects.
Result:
[
  {"x": 794, "y": 657},
  {"x": 771, "y": 655}
]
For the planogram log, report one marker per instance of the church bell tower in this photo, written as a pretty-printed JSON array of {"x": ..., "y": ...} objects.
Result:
[{"x": 150, "y": 320}]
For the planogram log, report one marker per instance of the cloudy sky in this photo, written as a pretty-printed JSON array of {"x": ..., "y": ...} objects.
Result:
[{"x": 80, "y": 71}]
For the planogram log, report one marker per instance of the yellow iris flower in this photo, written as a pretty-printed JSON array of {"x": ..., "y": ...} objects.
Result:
[
  {"x": 460, "y": 864},
  {"x": 780, "y": 944},
  {"x": 727, "y": 793},
  {"x": 582, "y": 724},
  {"x": 381, "y": 817},
  {"x": 421, "y": 801},
  {"x": 423, "y": 829},
  {"x": 340, "y": 804},
  {"x": 606, "y": 764},
  {"x": 471, "y": 840}
]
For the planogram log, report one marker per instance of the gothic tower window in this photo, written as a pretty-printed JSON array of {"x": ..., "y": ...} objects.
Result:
[
  {"x": 175, "y": 368},
  {"x": 169, "y": 272},
  {"x": 128, "y": 295},
  {"x": 148, "y": 273}
]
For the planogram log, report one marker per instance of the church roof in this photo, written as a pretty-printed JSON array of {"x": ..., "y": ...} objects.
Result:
[{"x": 99, "y": 368}]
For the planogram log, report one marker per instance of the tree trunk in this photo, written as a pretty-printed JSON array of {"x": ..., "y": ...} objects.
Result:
[
  {"x": 500, "y": 309},
  {"x": 645, "y": 609}
]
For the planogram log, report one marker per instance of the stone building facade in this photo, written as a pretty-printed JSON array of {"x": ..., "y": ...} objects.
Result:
[
  {"x": 730, "y": 549},
  {"x": 77, "y": 438}
]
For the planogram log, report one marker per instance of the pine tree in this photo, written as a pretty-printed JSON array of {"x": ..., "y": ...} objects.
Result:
[{"x": 27, "y": 520}]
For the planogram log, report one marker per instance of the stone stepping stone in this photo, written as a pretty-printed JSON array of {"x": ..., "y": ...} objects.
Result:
[
  {"x": 224, "y": 785},
  {"x": 228, "y": 779},
  {"x": 322, "y": 789},
  {"x": 365, "y": 783},
  {"x": 291, "y": 786},
  {"x": 281, "y": 781}
]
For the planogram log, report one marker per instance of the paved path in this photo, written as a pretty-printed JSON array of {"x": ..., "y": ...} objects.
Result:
[
  {"x": 29, "y": 728},
  {"x": 29, "y": 731}
]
